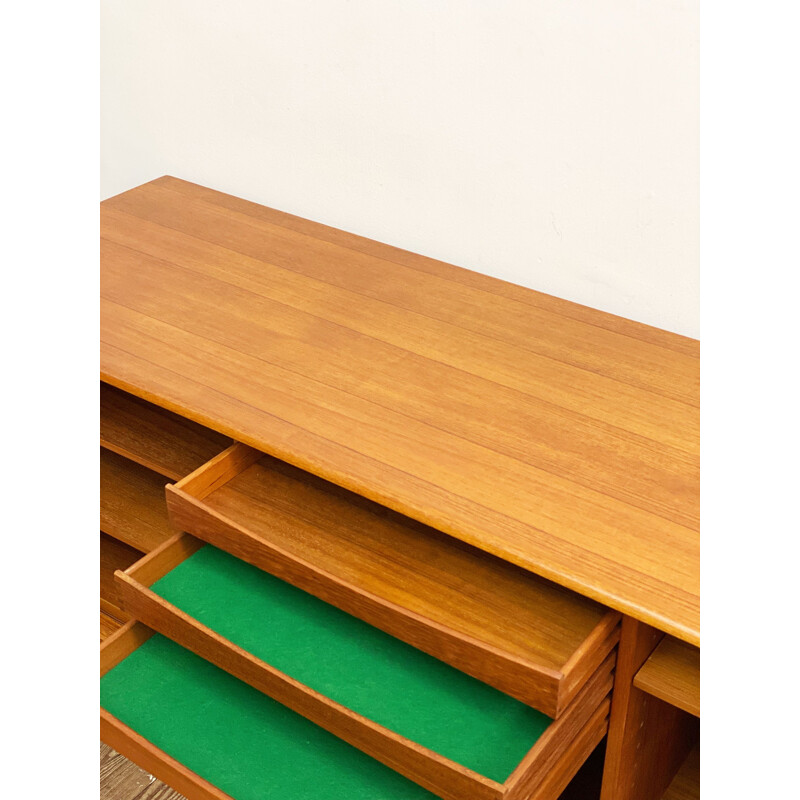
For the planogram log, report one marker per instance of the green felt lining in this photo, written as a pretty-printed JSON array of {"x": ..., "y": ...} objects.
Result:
[
  {"x": 355, "y": 664},
  {"x": 238, "y": 739}
]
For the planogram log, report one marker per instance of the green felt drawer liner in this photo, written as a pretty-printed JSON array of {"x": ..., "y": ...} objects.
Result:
[
  {"x": 236, "y": 738},
  {"x": 355, "y": 664}
]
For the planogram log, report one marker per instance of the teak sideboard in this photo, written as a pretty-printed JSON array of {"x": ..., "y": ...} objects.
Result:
[{"x": 375, "y": 526}]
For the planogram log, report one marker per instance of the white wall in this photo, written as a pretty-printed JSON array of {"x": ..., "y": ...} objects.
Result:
[{"x": 553, "y": 143}]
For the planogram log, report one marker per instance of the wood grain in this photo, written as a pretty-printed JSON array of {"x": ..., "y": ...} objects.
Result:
[
  {"x": 151, "y": 436},
  {"x": 686, "y": 784},
  {"x": 121, "y": 779},
  {"x": 523, "y": 425},
  {"x": 111, "y": 621},
  {"x": 135, "y": 747},
  {"x": 558, "y": 778},
  {"x": 157, "y": 563},
  {"x": 547, "y": 753},
  {"x": 672, "y": 673},
  {"x": 219, "y": 470},
  {"x": 132, "y": 507},
  {"x": 114, "y": 555},
  {"x": 525, "y": 636},
  {"x": 476, "y": 280},
  {"x": 121, "y": 644},
  {"x": 648, "y": 739},
  {"x": 436, "y": 773}
]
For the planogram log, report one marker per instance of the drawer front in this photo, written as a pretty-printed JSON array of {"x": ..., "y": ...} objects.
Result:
[{"x": 521, "y": 634}]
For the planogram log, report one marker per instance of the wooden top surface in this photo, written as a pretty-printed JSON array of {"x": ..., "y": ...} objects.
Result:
[
  {"x": 560, "y": 438},
  {"x": 672, "y": 673}
]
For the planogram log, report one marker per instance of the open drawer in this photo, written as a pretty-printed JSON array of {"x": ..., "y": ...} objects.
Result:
[
  {"x": 448, "y": 732},
  {"x": 523, "y": 635},
  {"x": 242, "y": 746}
]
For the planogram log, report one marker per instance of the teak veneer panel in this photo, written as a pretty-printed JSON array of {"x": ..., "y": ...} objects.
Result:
[
  {"x": 132, "y": 507},
  {"x": 525, "y": 636},
  {"x": 151, "y": 436},
  {"x": 686, "y": 784},
  {"x": 672, "y": 673},
  {"x": 556, "y": 437}
]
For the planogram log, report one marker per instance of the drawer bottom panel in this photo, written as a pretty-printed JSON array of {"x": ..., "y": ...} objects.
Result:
[{"x": 236, "y": 738}]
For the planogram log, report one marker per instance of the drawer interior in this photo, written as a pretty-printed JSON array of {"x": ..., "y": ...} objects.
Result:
[
  {"x": 416, "y": 714},
  {"x": 132, "y": 507},
  {"x": 154, "y": 437},
  {"x": 472, "y": 677},
  {"x": 522, "y": 634},
  {"x": 232, "y": 736},
  {"x": 355, "y": 664}
]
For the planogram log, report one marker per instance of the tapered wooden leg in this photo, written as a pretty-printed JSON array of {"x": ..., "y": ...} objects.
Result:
[{"x": 648, "y": 739}]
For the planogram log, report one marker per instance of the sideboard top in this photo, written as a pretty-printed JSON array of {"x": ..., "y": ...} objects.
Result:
[{"x": 558, "y": 437}]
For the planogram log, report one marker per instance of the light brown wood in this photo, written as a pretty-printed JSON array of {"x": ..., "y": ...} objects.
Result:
[
  {"x": 547, "y": 753},
  {"x": 219, "y": 470},
  {"x": 114, "y": 555},
  {"x": 151, "y": 436},
  {"x": 558, "y": 778},
  {"x": 132, "y": 507},
  {"x": 157, "y": 563},
  {"x": 525, "y": 636},
  {"x": 557, "y": 438},
  {"x": 111, "y": 620},
  {"x": 429, "y": 769},
  {"x": 538, "y": 301},
  {"x": 686, "y": 784},
  {"x": 672, "y": 673},
  {"x": 112, "y": 610},
  {"x": 648, "y": 739},
  {"x": 121, "y": 644}
]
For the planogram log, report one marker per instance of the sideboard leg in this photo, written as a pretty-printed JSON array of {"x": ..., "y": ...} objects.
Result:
[{"x": 647, "y": 738}]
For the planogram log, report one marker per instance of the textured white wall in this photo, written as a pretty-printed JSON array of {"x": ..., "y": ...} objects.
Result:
[{"x": 551, "y": 143}]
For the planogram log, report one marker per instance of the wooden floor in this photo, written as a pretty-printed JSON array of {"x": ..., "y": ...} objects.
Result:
[{"x": 121, "y": 779}]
